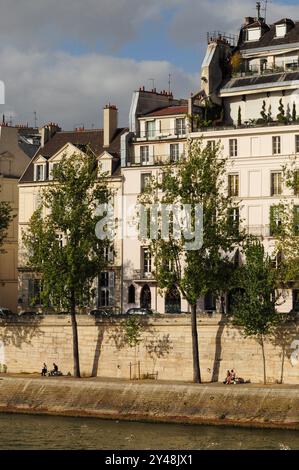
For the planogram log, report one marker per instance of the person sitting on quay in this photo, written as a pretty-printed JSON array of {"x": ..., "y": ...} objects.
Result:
[{"x": 44, "y": 370}]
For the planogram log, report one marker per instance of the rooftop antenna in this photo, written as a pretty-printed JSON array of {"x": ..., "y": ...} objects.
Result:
[
  {"x": 35, "y": 119},
  {"x": 169, "y": 83},
  {"x": 258, "y": 7},
  {"x": 264, "y": 9}
]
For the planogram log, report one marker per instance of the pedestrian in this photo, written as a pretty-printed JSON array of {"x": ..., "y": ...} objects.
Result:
[{"x": 44, "y": 370}]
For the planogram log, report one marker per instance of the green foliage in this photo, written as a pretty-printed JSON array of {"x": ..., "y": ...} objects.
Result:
[
  {"x": 239, "y": 116},
  {"x": 132, "y": 331},
  {"x": 294, "y": 112},
  {"x": 263, "y": 112},
  {"x": 67, "y": 210},
  {"x": 269, "y": 115},
  {"x": 254, "y": 306},
  {"x": 281, "y": 117},
  {"x": 5, "y": 219}
]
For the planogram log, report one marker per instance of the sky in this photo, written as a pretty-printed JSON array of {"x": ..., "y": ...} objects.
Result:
[{"x": 66, "y": 59}]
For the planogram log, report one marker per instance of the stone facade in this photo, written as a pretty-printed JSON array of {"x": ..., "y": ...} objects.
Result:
[{"x": 164, "y": 351}]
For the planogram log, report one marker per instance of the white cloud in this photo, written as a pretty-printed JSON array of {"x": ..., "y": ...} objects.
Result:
[
  {"x": 48, "y": 23},
  {"x": 72, "y": 90}
]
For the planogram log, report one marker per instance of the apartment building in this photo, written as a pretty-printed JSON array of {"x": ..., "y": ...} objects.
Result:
[
  {"x": 15, "y": 154},
  {"x": 258, "y": 90},
  {"x": 55, "y": 144},
  {"x": 248, "y": 102},
  {"x": 157, "y": 136}
]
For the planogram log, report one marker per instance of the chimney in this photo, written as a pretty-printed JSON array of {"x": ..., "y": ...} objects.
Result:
[
  {"x": 110, "y": 123},
  {"x": 249, "y": 20},
  {"x": 47, "y": 132}
]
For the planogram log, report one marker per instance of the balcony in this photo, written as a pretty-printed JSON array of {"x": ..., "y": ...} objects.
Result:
[
  {"x": 174, "y": 133},
  {"x": 156, "y": 160},
  {"x": 143, "y": 276},
  {"x": 257, "y": 71}
]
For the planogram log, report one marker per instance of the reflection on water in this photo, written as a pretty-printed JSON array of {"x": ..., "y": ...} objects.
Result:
[{"x": 48, "y": 432}]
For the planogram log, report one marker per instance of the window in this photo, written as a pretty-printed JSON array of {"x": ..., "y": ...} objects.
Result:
[
  {"x": 211, "y": 144},
  {"x": 106, "y": 284},
  {"x": 59, "y": 238},
  {"x": 296, "y": 220},
  {"x": 131, "y": 294},
  {"x": 174, "y": 152},
  {"x": 144, "y": 155},
  {"x": 296, "y": 183},
  {"x": 276, "y": 184},
  {"x": 281, "y": 30},
  {"x": 297, "y": 143},
  {"x": 296, "y": 300},
  {"x": 275, "y": 220},
  {"x": 108, "y": 254},
  {"x": 145, "y": 180},
  {"x": 253, "y": 34},
  {"x": 39, "y": 172},
  {"x": 180, "y": 126},
  {"x": 210, "y": 302},
  {"x": 105, "y": 279},
  {"x": 150, "y": 127},
  {"x": 34, "y": 292},
  {"x": 233, "y": 147},
  {"x": 233, "y": 185},
  {"x": 53, "y": 166},
  {"x": 276, "y": 145},
  {"x": 147, "y": 261},
  {"x": 233, "y": 221}
]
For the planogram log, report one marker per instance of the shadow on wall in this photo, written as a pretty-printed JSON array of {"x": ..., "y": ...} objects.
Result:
[
  {"x": 284, "y": 337},
  {"x": 20, "y": 330},
  {"x": 218, "y": 349},
  {"x": 156, "y": 346}
]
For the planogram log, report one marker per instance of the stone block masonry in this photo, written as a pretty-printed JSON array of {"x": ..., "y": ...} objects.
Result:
[
  {"x": 254, "y": 406},
  {"x": 165, "y": 350}
]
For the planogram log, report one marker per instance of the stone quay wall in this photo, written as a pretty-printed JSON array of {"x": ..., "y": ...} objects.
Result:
[
  {"x": 164, "y": 352},
  {"x": 253, "y": 405}
]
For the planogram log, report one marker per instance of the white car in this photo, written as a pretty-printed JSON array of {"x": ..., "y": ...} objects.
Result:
[{"x": 5, "y": 311}]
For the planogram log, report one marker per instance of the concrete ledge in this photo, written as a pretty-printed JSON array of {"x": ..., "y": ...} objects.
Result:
[{"x": 254, "y": 406}]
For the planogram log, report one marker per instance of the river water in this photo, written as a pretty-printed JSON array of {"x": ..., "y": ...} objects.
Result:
[{"x": 27, "y": 432}]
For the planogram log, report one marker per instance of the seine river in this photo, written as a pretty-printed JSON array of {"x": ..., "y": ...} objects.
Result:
[{"x": 25, "y": 432}]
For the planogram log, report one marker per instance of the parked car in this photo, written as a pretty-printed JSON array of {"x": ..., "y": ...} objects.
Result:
[
  {"x": 139, "y": 311},
  {"x": 5, "y": 311},
  {"x": 99, "y": 312},
  {"x": 31, "y": 312}
]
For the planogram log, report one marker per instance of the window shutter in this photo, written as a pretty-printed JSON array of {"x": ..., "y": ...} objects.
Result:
[
  {"x": 111, "y": 288},
  {"x": 151, "y": 154}
]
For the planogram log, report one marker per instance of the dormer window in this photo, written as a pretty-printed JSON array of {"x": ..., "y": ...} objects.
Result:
[
  {"x": 281, "y": 30},
  {"x": 254, "y": 34},
  {"x": 40, "y": 172}
]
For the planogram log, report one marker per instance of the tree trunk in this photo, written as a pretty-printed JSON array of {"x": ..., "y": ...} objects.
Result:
[
  {"x": 75, "y": 339},
  {"x": 196, "y": 368},
  {"x": 264, "y": 359}
]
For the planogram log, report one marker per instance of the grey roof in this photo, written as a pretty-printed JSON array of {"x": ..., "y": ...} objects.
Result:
[
  {"x": 275, "y": 78},
  {"x": 268, "y": 38}
]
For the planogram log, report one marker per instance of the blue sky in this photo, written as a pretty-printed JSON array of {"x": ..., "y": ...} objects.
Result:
[{"x": 67, "y": 59}]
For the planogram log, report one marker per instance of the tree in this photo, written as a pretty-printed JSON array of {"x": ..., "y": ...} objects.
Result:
[
  {"x": 239, "y": 116},
  {"x": 254, "y": 304},
  {"x": 269, "y": 115},
  {"x": 5, "y": 219},
  {"x": 263, "y": 112},
  {"x": 61, "y": 241},
  {"x": 199, "y": 179},
  {"x": 281, "y": 115},
  {"x": 294, "y": 112}
]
